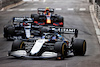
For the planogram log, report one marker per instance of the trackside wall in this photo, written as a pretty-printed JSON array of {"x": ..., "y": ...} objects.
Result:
[
  {"x": 97, "y": 10},
  {"x": 4, "y": 3},
  {"x": 0, "y": 4}
]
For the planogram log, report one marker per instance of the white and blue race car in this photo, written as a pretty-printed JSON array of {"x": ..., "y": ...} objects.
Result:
[
  {"x": 21, "y": 27},
  {"x": 50, "y": 45}
]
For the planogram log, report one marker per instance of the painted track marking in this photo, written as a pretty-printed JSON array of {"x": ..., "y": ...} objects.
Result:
[
  {"x": 36, "y": 0},
  {"x": 58, "y": 9},
  {"x": 82, "y": 9},
  {"x": 70, "y": 9},
  {"x": 44, "y": 1},
  {"x": 21, "y": 10}
]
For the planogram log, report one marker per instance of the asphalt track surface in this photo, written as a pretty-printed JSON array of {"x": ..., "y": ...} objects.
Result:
[{"x": 76, "y": 15}]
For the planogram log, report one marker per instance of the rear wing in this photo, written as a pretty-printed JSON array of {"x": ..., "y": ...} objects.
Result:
[
  {"x": 63, "y": 30},
  {"x": 43, "y": 10},
  {"x": 21, "y": 19}
]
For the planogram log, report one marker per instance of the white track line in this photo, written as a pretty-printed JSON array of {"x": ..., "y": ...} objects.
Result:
[
  {"x": 44, "y": 1},
  {"x": 36, "y": 0},
  {"x": 58, "y": 9},
  {"x": 82, "y": 9},
  {"x": 21, "y": 10},
  {"x": 10, "y": 10},
  {"x": 70, "y": 9},
  {"x": 33, "y": 9}
]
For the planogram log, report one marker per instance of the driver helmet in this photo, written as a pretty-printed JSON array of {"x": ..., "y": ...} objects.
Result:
[
  {"x": 47, "y": 9},
  {"x": 25, "y": 22},
  {"x": 53, "y": 37}
]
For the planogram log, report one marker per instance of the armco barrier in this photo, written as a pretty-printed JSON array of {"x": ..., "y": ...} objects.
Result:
[
  {"x": 97, "y": 11},
  {"x": 4, "y": 3}
]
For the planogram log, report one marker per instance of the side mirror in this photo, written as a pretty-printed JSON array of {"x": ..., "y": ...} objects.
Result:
[{"x": 76, "y": 33}]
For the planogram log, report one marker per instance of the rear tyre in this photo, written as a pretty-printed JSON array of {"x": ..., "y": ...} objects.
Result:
[
  {"x": 18, "y": 45},
  {"x": 60, "y": 48},
  {"x": 35, "y": 16},
  {"x": 5, "y": 32},
  {"x": 9, "y": 32},
  {"x": 61, "y": 19},
  {"x": 79, "y": 47},
  {"x": 43, "y": 30}
]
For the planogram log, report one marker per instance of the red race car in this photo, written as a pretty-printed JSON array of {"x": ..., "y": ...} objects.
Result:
[{"x": 46, "y": 17}]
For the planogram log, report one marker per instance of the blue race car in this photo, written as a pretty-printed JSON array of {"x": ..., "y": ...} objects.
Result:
[
  {"x": 21, "y": 27},
  {"x": 50, "y": 45}
]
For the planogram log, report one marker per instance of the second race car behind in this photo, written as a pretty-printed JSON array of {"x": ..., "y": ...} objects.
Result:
[{"x": 46, "y": 17}]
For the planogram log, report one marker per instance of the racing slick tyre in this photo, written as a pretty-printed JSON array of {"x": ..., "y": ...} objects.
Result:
[
  {"x": 35, "y": 16},
  {"x": 18, "y": 45},
  {"x": 5, "y": 32},
  {"x": 61, "y": 19},
  {"x": 79, "y": 47},
  {"x": 60, "y": 48},
  {"x": 43, "y": 30},
  {"x": 9, "y": 31}
]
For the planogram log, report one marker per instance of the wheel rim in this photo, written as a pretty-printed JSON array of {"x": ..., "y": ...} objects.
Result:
[
  {"x": 84, "y": 47},
  {"x": 63, "y": 49},
  {"x": 21, "y": 46}
]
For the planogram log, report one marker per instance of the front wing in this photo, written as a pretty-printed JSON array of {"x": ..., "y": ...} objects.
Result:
[
  {"x": 22, "y": 54},
  {"x": 57, "y": 24}
]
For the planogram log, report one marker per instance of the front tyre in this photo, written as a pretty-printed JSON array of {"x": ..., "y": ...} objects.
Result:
[
  {"x": 60, "y": 48},
  {"x": 18, "y": 45},
  {"x": 79, "y": 47},
  {"x": 35, "y": 16},
  {"x": 9, "y": 31}
]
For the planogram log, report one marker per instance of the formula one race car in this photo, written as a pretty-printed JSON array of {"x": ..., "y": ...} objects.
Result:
[
  {"x": 21, "y": 27},
  {"x": 50, "y": 45},
  {"x": 46, "y": 17}
]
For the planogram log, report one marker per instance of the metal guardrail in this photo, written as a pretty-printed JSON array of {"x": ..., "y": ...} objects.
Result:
[
  {"x": 96, "y": 4},
  {"x": 97, "y": 10}
]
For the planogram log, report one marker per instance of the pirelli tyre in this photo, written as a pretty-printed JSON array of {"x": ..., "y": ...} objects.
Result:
[
  {"x": 60, "y": 48},
  {"x": 35, "y": 16},
  {"x": 18, "y": 45},
  {"x": 5, "y": 32},
  {"x": 61, "y": 19},
  {"x": 79, "y": 47},
  {"x": 43, "y": 30},
  {"x": 9, "y": 31}
]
